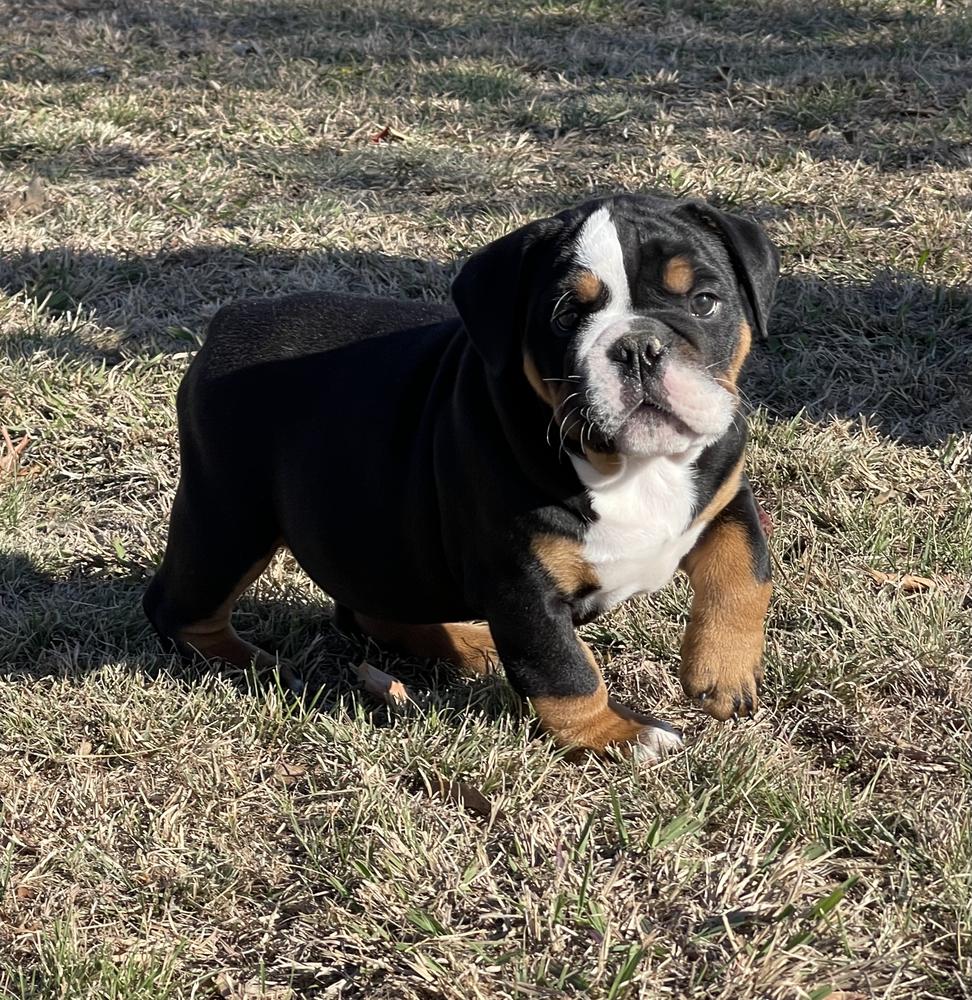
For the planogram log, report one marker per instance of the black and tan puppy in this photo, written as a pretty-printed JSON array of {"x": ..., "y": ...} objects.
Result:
[{"x": 570, "y": 439}]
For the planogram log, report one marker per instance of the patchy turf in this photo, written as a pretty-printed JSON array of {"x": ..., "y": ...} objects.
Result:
[{"x": 167, "y": 833}]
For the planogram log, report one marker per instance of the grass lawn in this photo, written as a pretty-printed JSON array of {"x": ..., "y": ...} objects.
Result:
[{"x": 169, "y": 832}]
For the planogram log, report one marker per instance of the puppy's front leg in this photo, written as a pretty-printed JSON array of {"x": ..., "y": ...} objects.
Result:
[
  {"x": 722, "y": 650},
  {"x": 547, "y": 663}
]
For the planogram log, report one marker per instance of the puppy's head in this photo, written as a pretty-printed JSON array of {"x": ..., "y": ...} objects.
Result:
[{"x": 630, "y": 317}]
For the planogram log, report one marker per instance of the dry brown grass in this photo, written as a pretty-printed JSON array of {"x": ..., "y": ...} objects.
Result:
[{"x": 170, "y": 833}]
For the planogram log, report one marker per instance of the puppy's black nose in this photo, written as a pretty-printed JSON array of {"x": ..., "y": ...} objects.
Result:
[{"x": 637, "y": 353}]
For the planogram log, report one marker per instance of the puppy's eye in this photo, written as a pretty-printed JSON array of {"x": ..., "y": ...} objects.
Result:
[
  {"x": 703, "y": 304},
  {"x": 565, "y": 321}
]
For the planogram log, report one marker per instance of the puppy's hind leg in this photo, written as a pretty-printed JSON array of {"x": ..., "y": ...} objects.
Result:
[
  {"x": 212, "y": 555},
  {"x": 467, "y": 645}
]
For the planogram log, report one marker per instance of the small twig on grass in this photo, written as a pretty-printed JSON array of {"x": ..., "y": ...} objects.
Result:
[
  {"x": 907, "y": 583},
  {"x": 10, "y": 453}
]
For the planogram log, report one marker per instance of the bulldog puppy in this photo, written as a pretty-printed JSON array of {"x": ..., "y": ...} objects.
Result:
[{"x": 572, "y": 437}]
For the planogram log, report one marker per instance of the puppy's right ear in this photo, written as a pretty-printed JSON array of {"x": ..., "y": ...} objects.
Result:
[{"x": 492, "y": 289}]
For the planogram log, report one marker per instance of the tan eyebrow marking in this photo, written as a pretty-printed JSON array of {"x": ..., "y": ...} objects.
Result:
[
  {"x": 678, "y": 275},
  {"x": 587, "y": 287}
]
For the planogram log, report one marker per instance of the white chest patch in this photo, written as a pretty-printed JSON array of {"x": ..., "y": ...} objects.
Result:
[{"x": 643, "y": 526}]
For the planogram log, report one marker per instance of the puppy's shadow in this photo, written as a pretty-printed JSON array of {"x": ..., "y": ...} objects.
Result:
[
  {"x": 895, "y": 349},
  {"x": 89, "y": 616}
]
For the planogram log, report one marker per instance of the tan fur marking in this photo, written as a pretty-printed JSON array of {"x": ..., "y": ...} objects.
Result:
[
  {"x": 587, "y": 287},
  {"x": 678, "y": 275},
  {"x": 723, "y": 644},
  {"x": 567, "y": 422},
  {"x": 605, "y": 462},
  {"x": 215, "y": 638},
  {"x": 726, "y": 491},
  {"x": 738, "y": 358},
  {"x": 592, "y": 721},
  {"x": 545, "y": 390},
  {"x": 467, "y": 645},
  {"x": 563, "y": 559}
]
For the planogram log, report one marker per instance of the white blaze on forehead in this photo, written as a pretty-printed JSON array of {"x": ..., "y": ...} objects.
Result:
[{"x": 598, "y": 250}]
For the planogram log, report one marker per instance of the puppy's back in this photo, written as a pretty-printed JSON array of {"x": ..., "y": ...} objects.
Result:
[{"x": 257, "y": 331}]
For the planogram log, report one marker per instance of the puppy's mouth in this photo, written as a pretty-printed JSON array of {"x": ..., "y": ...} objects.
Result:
[
  {"x": 651, "y": 409},
  {"x": 647, "y": 417},
  {"x": 674, "y": 411},
  {"x": 585, "y": 431}
]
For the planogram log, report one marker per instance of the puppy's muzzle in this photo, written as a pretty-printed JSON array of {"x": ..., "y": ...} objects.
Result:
[{"x": 639, "y": 353}]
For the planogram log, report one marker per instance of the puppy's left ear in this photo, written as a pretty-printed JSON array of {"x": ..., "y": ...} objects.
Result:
[
  {"x": 755, "y": 259},
  {"x": 491, "y": 290}
]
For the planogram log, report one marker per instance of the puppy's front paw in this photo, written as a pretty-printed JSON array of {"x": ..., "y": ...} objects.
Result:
[
  {"x": 723, "y": 671},
  {"x": 598, "y": 723},
  {"x": 655, "y": 741}
]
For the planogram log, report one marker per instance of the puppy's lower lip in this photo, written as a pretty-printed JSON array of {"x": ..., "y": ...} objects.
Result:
[{"x": 666, "y": 414}]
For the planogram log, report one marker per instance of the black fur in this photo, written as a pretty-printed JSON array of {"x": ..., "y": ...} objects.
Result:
[{"x": 409, "y": 471}]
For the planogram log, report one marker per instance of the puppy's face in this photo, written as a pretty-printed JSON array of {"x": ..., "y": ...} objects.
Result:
[
  {"x": 639, "y": 342},
  {"x": 632, "y": 318}
]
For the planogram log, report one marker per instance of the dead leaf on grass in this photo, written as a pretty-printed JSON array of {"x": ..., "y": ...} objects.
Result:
[
  {"x": 228, "y": 988},
  {"x": 765, "y": 520},
  {"x": 388, "y": 134},
  {"x": 288, "y": 774},
  {"x": 84, "y": 748},
  {"x": 907, "y": 583},
  {"x": 31, "y": 199},
  {"x": 382, "y": 685},
  {"x": 460, "y": 792}
]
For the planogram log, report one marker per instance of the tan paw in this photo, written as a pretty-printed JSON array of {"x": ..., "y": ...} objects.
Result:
[
  {"x": 598, "y": 723},
  {"x": 723, "y": 673}
]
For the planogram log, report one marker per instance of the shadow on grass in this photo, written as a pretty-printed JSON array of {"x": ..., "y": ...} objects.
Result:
[
  {"x": 844, "y": 81},
  {"x": 895, "y": 350},
  {"x": 147, "y": 305},
  {"x": 88, "y": 615}
]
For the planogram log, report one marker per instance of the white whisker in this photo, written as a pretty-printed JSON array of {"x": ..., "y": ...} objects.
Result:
[
  {"x": 564, "y": 430},
  {"x": 564, "y": 402}
]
